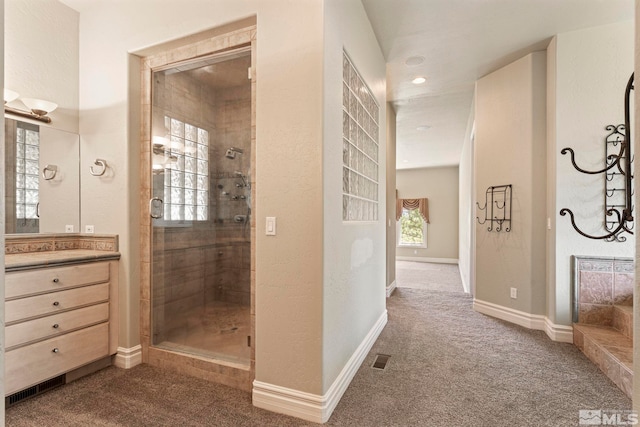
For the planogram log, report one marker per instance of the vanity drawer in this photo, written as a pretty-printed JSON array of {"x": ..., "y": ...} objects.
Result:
[
  {"x": 37, "y": 362},
  {"x": 46, "y": 327},
  {"x": 39, "y": 305},
  {"x": 22, "y": 283}
]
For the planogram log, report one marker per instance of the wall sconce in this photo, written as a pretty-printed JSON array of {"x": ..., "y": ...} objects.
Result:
[{"x": 39, "y": 108}]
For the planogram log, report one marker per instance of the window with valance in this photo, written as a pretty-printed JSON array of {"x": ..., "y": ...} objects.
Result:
[
  {"x": 412, "y": 216},
  {"x": 422, "y": 205}
]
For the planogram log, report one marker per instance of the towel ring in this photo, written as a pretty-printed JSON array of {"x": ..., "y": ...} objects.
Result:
[
  {"x": 101, "y": 171},
  {"x": 49, "y": 172}
]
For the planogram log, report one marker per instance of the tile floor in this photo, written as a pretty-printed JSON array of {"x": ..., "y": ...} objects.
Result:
[{"x": 218, "y": 330}]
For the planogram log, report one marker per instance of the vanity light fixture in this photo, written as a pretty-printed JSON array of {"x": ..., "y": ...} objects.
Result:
[
  {"x": 39, "y": 109},
  {"x": 10, "y": 95}
]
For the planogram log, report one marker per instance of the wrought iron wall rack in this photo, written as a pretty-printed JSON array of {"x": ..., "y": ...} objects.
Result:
[
  {"x": 618, "y": 174},
  {"x": 497, "y": 208}
]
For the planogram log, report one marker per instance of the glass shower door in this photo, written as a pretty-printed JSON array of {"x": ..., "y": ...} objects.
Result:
[{"x": 201, "y": 130}]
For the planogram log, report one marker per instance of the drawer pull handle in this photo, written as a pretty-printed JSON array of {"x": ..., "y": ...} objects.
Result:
[
  {"x": 56, "y": 303},
  {"x": 56, "y": 326},
  {"x": 56, "y": 280},
  {"x": 55, "y": 350}
]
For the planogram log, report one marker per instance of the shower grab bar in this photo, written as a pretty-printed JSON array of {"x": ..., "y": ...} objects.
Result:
[{"x": 152, "y": 207}]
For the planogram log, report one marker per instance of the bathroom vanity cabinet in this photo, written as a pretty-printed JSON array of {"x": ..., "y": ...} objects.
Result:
[{"x": 61, "y": 315}]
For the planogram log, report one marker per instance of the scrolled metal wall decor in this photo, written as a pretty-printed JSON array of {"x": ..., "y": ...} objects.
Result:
[
  {"x": 618, "y": 216},
  {"x": 497, "y": 208}
]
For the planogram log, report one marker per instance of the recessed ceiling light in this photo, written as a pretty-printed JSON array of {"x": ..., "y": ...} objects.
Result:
[
  {"x": 418, "y": 80},
  {"x": 423, "y": 127},
  {"x": 414, "y": 60}
]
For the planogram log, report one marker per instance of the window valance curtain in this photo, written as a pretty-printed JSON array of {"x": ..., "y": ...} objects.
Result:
[{"x": 421, "y": 204}]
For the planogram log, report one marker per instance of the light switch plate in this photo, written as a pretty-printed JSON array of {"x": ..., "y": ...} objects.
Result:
[{"x": 270, "y": 229}]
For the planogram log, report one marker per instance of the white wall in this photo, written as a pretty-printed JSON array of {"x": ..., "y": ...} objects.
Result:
[
  {"x": 551, "y": 179},
  {"x": 41, "y": 56},
  {"x": 354, "y": 253},
  {"x": 310, "y": 313},
  {"x": 636, "y": 293},
  {"x": 440, "y": 186},
  {"x": 510, "y": 149},
  {"x": 467, "y": 207},
  {"x": 289, "y": 160},
  {"x": 2, "y": 219},
  {"x": 391, "y": 195},
  {"x": 592, "y": 67}
]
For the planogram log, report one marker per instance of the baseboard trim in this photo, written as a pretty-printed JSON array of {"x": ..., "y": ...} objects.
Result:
[
  {"x": 426, "y": 259},
  {"x": 127, "y": 358},
  {"x": 559, "y": 333},
  {"x": 313, "y": 407},
  {"x": 391, "y": 288}
]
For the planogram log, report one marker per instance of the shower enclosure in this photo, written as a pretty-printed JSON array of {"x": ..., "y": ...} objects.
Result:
[{"x": 201, "y": 207}]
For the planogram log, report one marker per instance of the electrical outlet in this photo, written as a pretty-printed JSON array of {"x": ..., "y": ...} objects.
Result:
[
  {"x": 514, "y": 293},
  {"x": 88, "y": 229},
  {"x": 68, "y": 228}
]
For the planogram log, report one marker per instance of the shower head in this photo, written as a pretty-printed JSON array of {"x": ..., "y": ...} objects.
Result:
[{"x": 231, "y": 152}]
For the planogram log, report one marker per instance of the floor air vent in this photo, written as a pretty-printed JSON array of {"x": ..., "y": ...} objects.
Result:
[
  {"x": 34, "y": 391},
  {"x": 381, "y": 361}
]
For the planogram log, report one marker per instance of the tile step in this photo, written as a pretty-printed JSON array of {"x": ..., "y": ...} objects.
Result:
[{"x": 608, "y": 349}]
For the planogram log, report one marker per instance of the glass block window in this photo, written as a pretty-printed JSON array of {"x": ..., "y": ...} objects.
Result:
[
  {"x": 360, "y": 113},
  {"x": 27, "y": 158},
  {"x": 186, "y": 177}
]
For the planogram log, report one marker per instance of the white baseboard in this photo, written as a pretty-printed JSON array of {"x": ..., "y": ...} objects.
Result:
[
  {"x": 391, "y": 288},
  {"x": 538, "y": 322},
  {"x": 313, "y": 407},
  {"x": 560, "y": 333},
  {"x": 127, "y": 358},
  {"x": 426, "y": 259}
]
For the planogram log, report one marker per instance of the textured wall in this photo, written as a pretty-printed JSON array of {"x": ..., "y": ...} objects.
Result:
[
  {"x": 510, "y": 149},
  {"x": 354, "y": 253},
  {"x": 636, "y": 294},
  {"x": 2, "y": 221},
  {"x": 592, "y": 69},
  {"x": 467, "y": 209},
  {"x": 288, "y": 160},
  {"x": 391, "y": 195}
]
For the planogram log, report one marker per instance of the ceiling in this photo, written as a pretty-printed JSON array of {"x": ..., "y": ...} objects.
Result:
[{"x": 462, "y": 41}]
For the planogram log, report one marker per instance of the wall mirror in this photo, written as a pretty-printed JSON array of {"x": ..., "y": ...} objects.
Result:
[{"x": 42, "y": 179}]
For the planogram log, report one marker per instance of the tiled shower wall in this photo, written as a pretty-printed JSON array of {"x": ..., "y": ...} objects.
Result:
[
  {"x": 211, "y": 260},
  {"x": 599, "y": 284}
]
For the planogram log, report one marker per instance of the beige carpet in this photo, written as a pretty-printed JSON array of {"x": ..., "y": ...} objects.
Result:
[{"x": 449, "y": 366}]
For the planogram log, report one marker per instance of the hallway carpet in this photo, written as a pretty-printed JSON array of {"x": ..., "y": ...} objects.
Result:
[{"x": 449, "y": 366}]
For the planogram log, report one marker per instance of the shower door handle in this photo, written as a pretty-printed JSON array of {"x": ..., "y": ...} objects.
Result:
[{"x": 156, "y": 206}]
